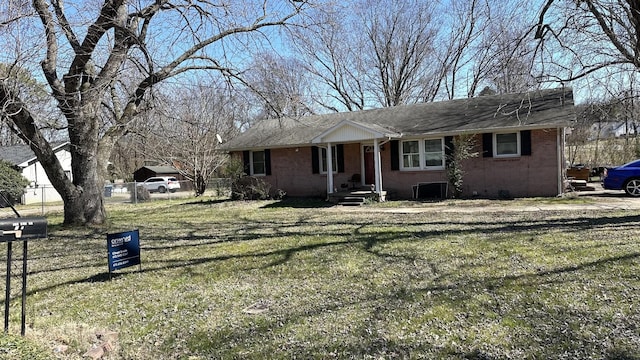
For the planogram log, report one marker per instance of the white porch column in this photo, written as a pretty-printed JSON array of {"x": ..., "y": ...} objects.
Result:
[
  {"x": 329, "y": 169},
  {"x": 377, "y": 167}
]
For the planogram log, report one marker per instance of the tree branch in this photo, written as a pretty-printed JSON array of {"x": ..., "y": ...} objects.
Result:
[
  {"x": 64, "y": 24},
  {"x": 609, "y": 32},
  {"x": 50, "y": 61},
  {"x": 540, "y": 31}
]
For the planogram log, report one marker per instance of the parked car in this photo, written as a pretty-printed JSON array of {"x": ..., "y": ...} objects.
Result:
[
  {"x": 161, "y": 184},
  {"x": 625, "y": 177}
]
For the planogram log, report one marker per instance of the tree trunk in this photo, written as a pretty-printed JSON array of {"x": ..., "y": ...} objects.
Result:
[
  {"x": 83, "y": 195},
  {"x": 201, "y": 185},
  {"x": 84, "y": 203},
  {"x": 85, "y": 206}
]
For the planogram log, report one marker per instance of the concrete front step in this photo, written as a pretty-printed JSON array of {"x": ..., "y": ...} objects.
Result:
[
  {"x": 355, "y": 195},
  {"x": 351, "y": 201},
  {"x": 580, "y": 185}
]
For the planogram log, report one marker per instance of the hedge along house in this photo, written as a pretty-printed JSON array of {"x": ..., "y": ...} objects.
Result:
[{"x": 519, "y": 139}]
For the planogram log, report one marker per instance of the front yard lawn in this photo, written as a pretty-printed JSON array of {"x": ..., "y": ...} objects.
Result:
[{"x": 261, "y": 280}]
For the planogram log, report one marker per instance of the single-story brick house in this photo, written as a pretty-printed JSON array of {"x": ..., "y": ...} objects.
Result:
[{"x": 519, "y": 139}]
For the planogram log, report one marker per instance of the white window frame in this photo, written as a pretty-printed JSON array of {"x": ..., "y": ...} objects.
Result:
[
  {"x": 402, "y": 154},
  {"x": 442, "y": 152},
  {"x": 518, "y": 145},
  {"x": 323, "y": 156},
  {"x": 253, "y": 173},
  {"x": 422, "y": 155}
]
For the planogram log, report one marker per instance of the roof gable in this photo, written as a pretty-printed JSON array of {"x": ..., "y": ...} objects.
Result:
[{"x": 352, "y": 131}]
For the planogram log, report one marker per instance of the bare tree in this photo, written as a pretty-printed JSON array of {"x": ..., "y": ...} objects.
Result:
[
  {"x": 368, "y": 53},
  {"x": 111, "y": 56},
  {"x": 400, "y": 40},
  {"x": 579, "y": 38},
  {"x": 332, "y": 53},
  {"x": 279, "y": 87},
  {"x": 456, "y": 45},
  {"x": 511, "y": 65},
  {"x": 484, "y": 45},
  {"x": 189, "y": 128}
]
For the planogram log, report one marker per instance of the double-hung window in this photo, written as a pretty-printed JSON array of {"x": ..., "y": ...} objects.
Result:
[
  {"x": 506, "y": 144},
  {"x": 258, "y": 163},
  {"x": 411, "y": 154},
  {"x": 433, "y": 153},
  {"x": 334, "y": 160},
  {"x": 427, "y": 154}
]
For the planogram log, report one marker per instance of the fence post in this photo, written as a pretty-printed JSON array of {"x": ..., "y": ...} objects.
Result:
[
  {"x": 41, "y": 197},
  {"x": 135, "y": 192}
]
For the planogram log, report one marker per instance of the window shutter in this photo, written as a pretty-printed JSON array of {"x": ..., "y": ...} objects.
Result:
[
  {"x": 395, "y": 154},
  {"x": 246, "y": 161},
  {"x": 340, "y": 157},
  {"x": 267, "y": 161},
  {"x": 448, "y": 149},
  {"x": 487, "y": 145},
  {"x": 525, "y": 143},
  {"x": 315, "y": 160}
]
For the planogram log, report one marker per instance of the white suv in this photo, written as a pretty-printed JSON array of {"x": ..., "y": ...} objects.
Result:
[{"x": 161, "y": 184}]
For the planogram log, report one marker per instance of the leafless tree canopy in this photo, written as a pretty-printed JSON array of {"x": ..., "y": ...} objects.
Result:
[
  {"x": 589, "y": 35},
  {"x": 189, "y": 128},
  {"x": 280, "y": 88},
  {"x": 101, "y": 61}
]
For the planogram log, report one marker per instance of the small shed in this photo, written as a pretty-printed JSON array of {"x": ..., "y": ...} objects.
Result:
[{"x": 146, "y": 172}]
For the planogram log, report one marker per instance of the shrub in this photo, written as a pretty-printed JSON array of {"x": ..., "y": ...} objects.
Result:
[
  {"x": 462, "y": 149},
  {"x": 12, "y": 183},
  {"x": 249, "y": 188},
  {"x": 140, "y": 194},
  {"x": 280, "y": 194}
]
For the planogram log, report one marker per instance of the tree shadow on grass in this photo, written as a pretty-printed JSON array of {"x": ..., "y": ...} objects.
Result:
[
  {"x": 349, "y": 234},
  {"x": 441, "y": 288},
  {"x": 299, "y": 203},
  {"x": 208, "y": 202},
  {"x": 288, "y": 202}
]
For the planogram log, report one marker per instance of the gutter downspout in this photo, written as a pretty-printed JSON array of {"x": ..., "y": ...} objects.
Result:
[{"x": 560, "y": 141}]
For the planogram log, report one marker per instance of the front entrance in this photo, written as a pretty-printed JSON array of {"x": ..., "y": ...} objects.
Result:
[{"x": 369, "y": 166}]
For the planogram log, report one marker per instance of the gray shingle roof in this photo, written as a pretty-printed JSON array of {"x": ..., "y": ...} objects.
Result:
[
  {"x": 18, "y": 154},
  {"x": 530, "y": 110},
  {"x": 161, "y": 169}
]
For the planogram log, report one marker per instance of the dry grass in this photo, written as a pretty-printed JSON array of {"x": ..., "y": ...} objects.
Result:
[{"x": 297, "y": 280}]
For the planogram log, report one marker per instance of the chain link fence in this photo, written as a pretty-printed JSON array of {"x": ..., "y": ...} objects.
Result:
[
  {"x": 136, "y": 192},
  {"x": 40, "y": 199}
]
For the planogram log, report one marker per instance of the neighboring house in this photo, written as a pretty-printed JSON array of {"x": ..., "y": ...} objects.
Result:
[
  {"x": 611, "y": 129},
  {"x": 40, "y": 188},
  {"x": 519, "y": 139},
  {"x": 146, "y": 172}
]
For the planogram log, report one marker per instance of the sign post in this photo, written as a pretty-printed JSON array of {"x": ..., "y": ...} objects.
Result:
[
  {"x": 123, "y": 249},
  {"x": 19, "y": 229}
]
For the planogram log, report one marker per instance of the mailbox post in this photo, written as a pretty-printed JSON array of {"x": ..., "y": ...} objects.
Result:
[{"x": 19, "y": 229}]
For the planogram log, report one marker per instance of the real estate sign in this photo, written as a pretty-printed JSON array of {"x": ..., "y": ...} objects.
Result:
[{"x": 124, "y": 249}]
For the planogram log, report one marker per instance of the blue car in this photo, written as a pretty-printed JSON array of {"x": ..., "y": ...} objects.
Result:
[{"x": 625, "y": 177}]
